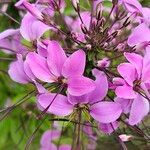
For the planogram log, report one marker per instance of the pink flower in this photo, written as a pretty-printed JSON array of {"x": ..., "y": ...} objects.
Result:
[
  {"x": 136, "y": 77},
  {"x": 104, "y": 112},
  {"x": 58, "y": 68}
]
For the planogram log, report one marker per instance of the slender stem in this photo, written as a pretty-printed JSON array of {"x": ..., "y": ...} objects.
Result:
[
  {"x": 75, "y": 122},
  {"x": 7, "y": 15},
  {"x": 33, "y": 134},
  {"x": 78, "y": 145},
  {"x": 123, "y": 146}
]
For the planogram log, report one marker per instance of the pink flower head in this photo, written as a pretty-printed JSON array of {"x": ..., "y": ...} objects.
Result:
[
  {"x": 104, "y": 112},
  {"x": 136, "y": 76},
  {"x": 57, "y": 67}
]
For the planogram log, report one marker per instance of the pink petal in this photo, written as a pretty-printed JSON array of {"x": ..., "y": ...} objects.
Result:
[
  {"x": 146, "y": 15},
  {"x": 125, "y": 104},
  {"x": 28, "y": 71},
  {"x": 75, "y": 64},
  {"x": 48, "y": 136},
  {"x": 128, "y": 72},
  {"x": 41, "y": 89},
  {"x": 56, "y": 57},
  {"x": 39, "y": 68},
  {"x": 136, "y": 60},
  {"x": 139, "y": 110},
  {"x": 78, "y": 86},
  {"x": 108, "y": 128},
  {"x": 146, "y": 68},
  {"x": 137, "y": 38},
  {"x": 101, "y": 86},
  {"x": 125, "y": 92},
  {"x": 60, "y": 105},
  {"x": 106, "y": 112},
  {"x": 8, "y": 32},
  {"x": 30, "y": 8},
  {"x": 32, "y": 29},
  {"x": 133, "y": 6},
  {"x": 83, "y": 99},
  {"x": 17, "y": 73}
]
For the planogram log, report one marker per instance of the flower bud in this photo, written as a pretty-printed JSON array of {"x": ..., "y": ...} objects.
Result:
[
  {"x": 125, "y": 137},
  {"x": 84, "y": 29},
  {"x": 103, "y": 63},
  {"x": 75, "y": 3},
  {"x": 30, "y": 8}
]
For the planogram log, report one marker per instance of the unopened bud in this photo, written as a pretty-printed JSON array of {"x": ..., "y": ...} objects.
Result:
[
  {"x": 84, "y": 29},
  {"x": 125, "y": 137},
  {"x": 30, "y": 8},
  {"x": 103, "y": 63},
  {"x": 75, "y": 3},
  {"x": 88, "y": 46}
]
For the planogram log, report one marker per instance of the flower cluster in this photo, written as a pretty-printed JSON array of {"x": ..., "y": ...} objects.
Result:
[{"x": 92, "y": 66}]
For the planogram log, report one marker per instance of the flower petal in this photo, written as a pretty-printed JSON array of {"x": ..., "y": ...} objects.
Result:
[
  {"x": 125, "y": 104},
  {"x": 108, "y": 128},
  {"x": 101, "y": 86},
  {"x": 17, "y": 73},
  {"x": 132, "y": 6},
  {"x": 106, "y": 112},
  {"x": 32, "y": 29},
  {"x": 78, "y": 86},
  {"x": 39, "y": 68},
  {"x": 125, "y": 92},
  {"x": 56, "y": 57},
  {"x": 75, "y": 64},
  {"x": 136, "y": 60},
  {"x": 48, "y": 136},
  {"x": 60, "y": 105},
  {"x": 139, "y": 109},
  {"x": 146, "y": 67},
  {"x": 8, "y": 32},
  {"x": 136, "y": 37},
  {"x": 128, "y": 72},
  {"x": 83, "y": 99}
]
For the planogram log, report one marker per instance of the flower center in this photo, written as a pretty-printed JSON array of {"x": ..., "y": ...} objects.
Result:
[{"x": 136, "y": 85}]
